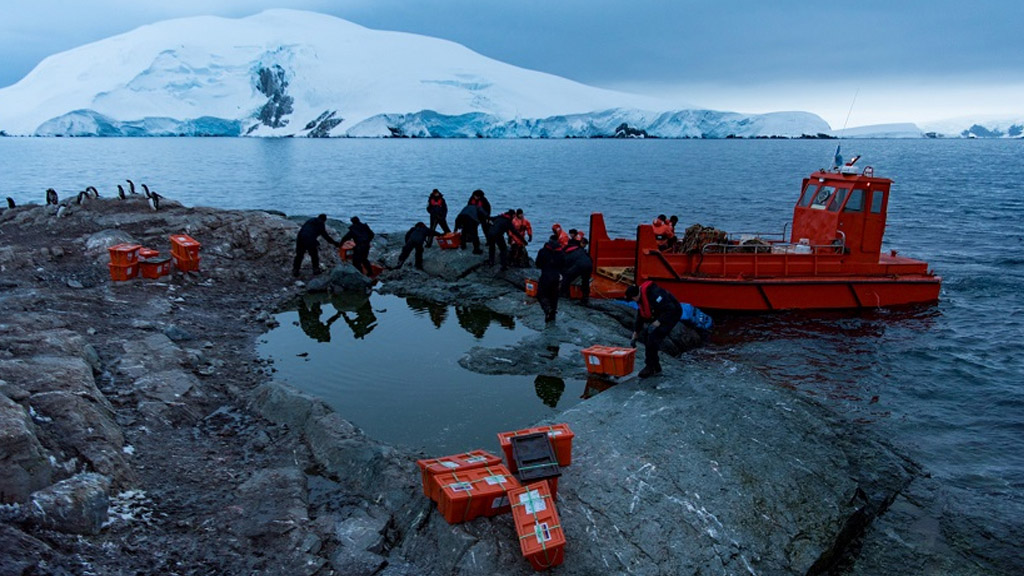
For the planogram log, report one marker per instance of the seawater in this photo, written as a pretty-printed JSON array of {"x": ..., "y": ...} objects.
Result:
[{"x": 942, "y": 382}]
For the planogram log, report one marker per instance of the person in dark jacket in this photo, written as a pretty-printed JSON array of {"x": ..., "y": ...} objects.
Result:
[
  {"x": 361, "y": 234},
  {"x": 467, "y": 222},
  {"x": 477, "y": 198},
  {"x": 306, "y": 243},
  {"x": 501, "y": 226},
  {"x": 438, "y": 210},
  {"x": 414, "y": 240},
  {"x": 577, "y": 265},
  {"x": 657, "y": 313},
  {"x": 549, "y": 260}
]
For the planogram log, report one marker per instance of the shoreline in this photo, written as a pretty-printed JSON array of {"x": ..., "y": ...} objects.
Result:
[{"x": 147, "y": 399}]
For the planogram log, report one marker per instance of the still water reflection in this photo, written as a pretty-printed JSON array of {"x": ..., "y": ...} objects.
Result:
[{"x": 391, "y": 366}]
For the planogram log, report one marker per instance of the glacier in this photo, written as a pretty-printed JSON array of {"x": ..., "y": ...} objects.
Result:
[{"x": 292, "y": 73}]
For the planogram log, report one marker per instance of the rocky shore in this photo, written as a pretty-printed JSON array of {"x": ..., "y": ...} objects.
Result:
[{"x": 141, "y": 434}]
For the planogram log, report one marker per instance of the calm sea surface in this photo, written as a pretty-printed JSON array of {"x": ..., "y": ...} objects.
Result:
[{"x": 943, "y": 382}]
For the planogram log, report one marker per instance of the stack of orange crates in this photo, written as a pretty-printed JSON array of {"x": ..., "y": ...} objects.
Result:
[
  {"x": 541, "y": 537},
  {"x": 531, "y": 288},
  {"x": 449, "y": 241},
  {"x": 124, "y": 262},
  {"x": 147, "y": 253},
  {"x": 560, "y": 436},
  {"x": 430, "y": 468},
  {"x": 475, "y": 492},
  {"x": 609, "y": 360},
  {"x": 185, "y": 251}
]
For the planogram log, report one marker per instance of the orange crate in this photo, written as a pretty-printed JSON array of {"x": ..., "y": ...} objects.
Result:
[
  {"x": 575, "y": 292},
  {"x": 124, "y": 254},
  {"x": 531, "y": 288},
  {"x": 123, "y": 273},
  {"x": 449, "y": 241},
  {"x": 431, "y": 467},
  {"x": 609, "y": 360},
  {"x": 146, "y": 253},
  {"x": 184, "y": 247},
  {"x": 154, "y": 268},
  {"x": 345, "y": 251},
  {"x": 186, "y": 264},
  {"x": 475, "y": 492},
  {"x": 560, "y": 436},
  {"x": 541, "y": 537}
]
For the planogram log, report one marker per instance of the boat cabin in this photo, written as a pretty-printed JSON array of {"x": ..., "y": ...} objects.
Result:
[{"x": 845, "y": 208}]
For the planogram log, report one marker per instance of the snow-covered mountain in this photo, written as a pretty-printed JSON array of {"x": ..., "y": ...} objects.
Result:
[{"x": 294, "y": 73}]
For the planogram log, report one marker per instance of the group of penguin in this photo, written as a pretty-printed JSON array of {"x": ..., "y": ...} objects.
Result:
[{"x": 91, "y": 192}]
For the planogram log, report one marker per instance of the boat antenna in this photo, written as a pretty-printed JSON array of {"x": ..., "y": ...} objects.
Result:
[{"x": 837, "y": 160}]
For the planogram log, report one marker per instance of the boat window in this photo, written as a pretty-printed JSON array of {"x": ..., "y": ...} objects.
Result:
[
  {"x": 808, "y": 194},
  {"x": 821, "y": 198},
  {"x": 838, "y": 200},
  {"x": 856, "y": 201},
  {"x": 876, "y": 202}
]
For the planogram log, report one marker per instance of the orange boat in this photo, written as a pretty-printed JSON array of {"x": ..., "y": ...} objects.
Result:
[{"x": 836, "y": 261}]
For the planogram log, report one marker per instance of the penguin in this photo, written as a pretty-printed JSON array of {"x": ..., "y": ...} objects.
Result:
[
  {"x": 62, "y": 211},
  {"x": 83, "y": 195},
  {"x": 154, "y": 199},
  {"x": 92, "y": 190},
  {"x": 120, "y": 192},
  {"x": 146, "y": 190},
  {"x": 51, "y": 197},
  {"x": 10, "y": 202},
  {"x": 131, "y": 186}
]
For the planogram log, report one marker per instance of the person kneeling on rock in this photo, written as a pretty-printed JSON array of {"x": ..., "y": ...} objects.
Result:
[
  {"x": 415, "y": 238},
  {"x": 657, "y": 314},
  {"x": 306, "y": 242}
]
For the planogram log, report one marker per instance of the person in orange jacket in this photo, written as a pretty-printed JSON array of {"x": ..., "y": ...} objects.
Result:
[
  {"x": 517, "y": 251},
  {"x": 563, "y": 238},
  {"x": 662, "y": 231},
  {"x": 438, "y": 210}
]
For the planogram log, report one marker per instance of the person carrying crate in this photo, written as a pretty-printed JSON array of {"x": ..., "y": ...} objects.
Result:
[{"x": 657, "y": 314}]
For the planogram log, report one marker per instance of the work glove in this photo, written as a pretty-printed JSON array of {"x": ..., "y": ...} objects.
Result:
[{"x": 632, "y": 341}]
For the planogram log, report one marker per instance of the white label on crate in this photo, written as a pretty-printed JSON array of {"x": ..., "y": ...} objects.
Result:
[
  {"x": 476, "y": 459},
  {"x": 532, "y": 502},
  {"x": 621, "y": 352},
  {"x": 448, "y": 464},
  {"x": 461, "y": 487},
  {"x": 542, "y": 532},
  {"x": 554, "y": 432},
  {"x": 595, "y": 360},
  {"x": 497, "y": 479},
  {"x": 499, "y": 502}
]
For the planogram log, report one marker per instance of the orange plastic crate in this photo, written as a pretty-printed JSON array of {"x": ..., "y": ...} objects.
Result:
[
  {"x": 345, "y": 251},
  {"x": 449, "y": 241},
  {"x": 575, "y": 292},
  {"x": 186, "y": 264},
  {"x": 154, "y": 268},
  {"x": 475, "y": 492},
  {"x": 609, "y": 360},
  {"x": 146, "y": 253},
  {"x": 531, "y": 287},
  {"x": 541, "y": 537},
  {"x": 124, "y": 254},
  {"x": 560, "y": 436},
  {"x": 431, "y": 467},
  {"x": 184, "y": 247},
  {"x": 123, "y": 273}
]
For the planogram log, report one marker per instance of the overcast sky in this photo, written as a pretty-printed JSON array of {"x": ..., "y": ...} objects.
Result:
[{"x": 877, "y": 61}]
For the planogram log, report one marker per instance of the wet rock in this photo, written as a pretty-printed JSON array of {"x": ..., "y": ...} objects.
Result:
[
  {"x": 177, "y": 334},
  {"x": 24, "y": 464},
  {"x": 77, "y": 505},
  {"x": 342, "y": 278}
]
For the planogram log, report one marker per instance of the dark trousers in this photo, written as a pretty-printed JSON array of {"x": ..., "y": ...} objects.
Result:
[
  {"x": 573, "y": 272},
  {"x": 303, "y": 248},
  {"x": 652, "y": 339},
  {"x": 436, "y": 221},
  {"x": 361, "y": 259},
  {"x": 547, "y": 296},
  {"x": 499, "y": 243},
  {"x": 517, "y": 255},
  {"x": 469, "y": 234},
  {"x": 407, "y": 249}
]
